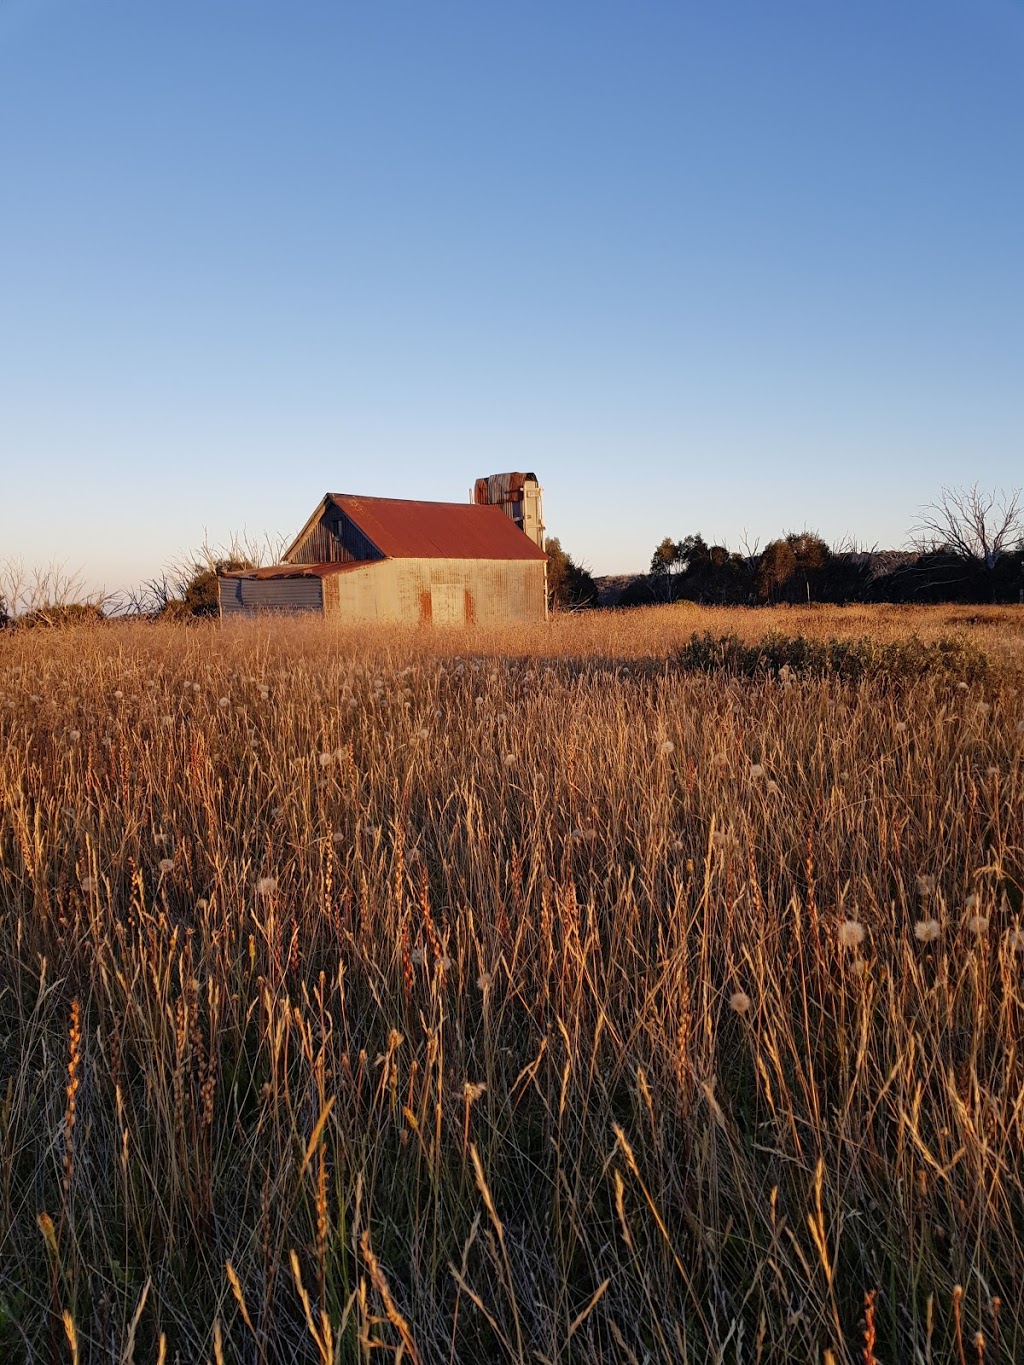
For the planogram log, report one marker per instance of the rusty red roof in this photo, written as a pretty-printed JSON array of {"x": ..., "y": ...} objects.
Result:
[{"x": 404, "y": 529}]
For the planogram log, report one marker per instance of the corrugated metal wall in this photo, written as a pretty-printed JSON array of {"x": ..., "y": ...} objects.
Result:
[
  {"x": 243, "y": 596},
  {"x": 444, "y": 590}
]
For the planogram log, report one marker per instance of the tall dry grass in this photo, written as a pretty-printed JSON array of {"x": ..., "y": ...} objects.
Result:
[{"x": 506, "y": 996}]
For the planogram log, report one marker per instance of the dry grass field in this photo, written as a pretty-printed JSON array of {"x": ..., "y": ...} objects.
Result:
[{"x": 548, "y": 995}]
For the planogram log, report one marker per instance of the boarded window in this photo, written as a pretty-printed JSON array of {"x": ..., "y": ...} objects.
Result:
[{"x": 448, "y": 604}]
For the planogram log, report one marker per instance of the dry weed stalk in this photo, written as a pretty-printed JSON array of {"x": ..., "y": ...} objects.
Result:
[{"x": 622, "y": 1050}]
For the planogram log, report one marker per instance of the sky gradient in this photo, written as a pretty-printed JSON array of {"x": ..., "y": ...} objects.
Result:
[{"x": 728, "y": 267}]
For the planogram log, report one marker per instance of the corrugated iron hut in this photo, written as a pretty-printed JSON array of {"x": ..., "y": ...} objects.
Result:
[{"x": 392, "y": 559}]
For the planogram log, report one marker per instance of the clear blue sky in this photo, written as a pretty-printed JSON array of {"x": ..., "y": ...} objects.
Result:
[{"x": 714, "y": 266}]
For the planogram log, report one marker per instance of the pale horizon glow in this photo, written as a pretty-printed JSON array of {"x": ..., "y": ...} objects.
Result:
[{"x": 727, "y": 268}]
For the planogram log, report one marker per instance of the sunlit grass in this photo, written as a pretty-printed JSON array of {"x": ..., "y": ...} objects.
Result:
[{"x": 510, "y": 995}]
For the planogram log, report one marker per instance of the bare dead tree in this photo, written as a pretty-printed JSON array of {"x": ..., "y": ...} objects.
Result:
[
  {"x": 974, "y": 526},
  {"x": 750, "y": 549},
  {"x": 46, "y": 590},
  {"x": 14, "y": 581}
]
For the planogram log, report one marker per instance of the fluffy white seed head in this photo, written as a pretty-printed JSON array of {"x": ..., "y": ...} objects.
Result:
[
  {"x": 851, "y": 933},
  {"x": 927, "y": 930}
]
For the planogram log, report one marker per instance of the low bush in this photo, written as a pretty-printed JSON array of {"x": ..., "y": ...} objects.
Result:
[{"x": 848, "y": 660}]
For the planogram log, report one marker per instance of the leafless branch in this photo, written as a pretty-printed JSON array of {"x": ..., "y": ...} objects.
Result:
[
  {"x": 975, "y": 526},
  {"x": 45, "y": 589}
]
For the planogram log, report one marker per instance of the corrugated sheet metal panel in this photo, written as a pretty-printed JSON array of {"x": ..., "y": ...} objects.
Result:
[
  {"x": 438, "y": 530},
  {"x": 519, "y": 497},
  {"x": 293, "y": 570},
  {"x": 422, "y": 590},
  {"x": 498, "y": 489},
  {"x": 243, "y": 596},
  {"x": 334, "y": 539}
]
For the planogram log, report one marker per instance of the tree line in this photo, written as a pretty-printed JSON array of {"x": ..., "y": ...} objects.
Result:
[{"x": 968, "y": 546}]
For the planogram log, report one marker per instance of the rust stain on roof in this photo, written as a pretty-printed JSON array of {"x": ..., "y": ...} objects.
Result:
[{"x": 404, "y": 529}]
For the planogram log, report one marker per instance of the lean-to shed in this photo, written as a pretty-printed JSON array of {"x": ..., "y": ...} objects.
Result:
[{"x": 394, "y": 559}]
